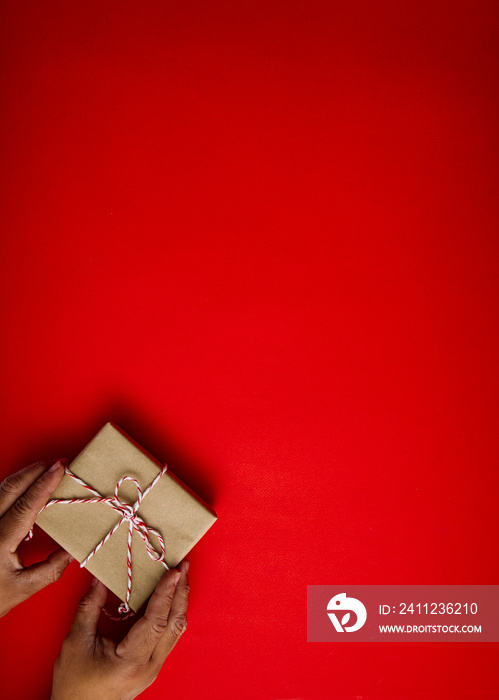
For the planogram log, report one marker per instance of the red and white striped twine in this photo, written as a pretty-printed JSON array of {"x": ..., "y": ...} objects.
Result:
[{"x": 128, "y": 513}]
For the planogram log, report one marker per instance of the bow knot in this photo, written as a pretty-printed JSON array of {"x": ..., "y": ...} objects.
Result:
[{"x": 128, "y": 511}]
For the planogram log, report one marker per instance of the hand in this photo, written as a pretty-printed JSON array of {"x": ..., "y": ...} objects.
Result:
[
  {"x": 22, "y": 496},
  {"x": 91, "y": 666}
]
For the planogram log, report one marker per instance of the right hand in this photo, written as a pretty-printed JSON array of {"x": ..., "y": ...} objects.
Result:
[{"x": 91, "y": 666}]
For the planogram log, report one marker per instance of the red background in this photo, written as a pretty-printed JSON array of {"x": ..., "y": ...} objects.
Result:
[{"x": 262, "y": 238}]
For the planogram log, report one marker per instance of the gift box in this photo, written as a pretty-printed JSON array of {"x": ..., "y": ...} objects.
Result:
[{"x": 97, "y": 515}]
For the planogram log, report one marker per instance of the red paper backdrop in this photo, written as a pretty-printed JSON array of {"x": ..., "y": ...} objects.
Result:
[{"x": 262, "y": 237}]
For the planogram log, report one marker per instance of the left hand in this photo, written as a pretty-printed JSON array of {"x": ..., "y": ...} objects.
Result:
[{"x": 22, "y": 496}]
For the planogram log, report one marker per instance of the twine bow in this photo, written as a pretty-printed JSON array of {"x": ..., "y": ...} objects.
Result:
[{"x": 128, "y": 514}]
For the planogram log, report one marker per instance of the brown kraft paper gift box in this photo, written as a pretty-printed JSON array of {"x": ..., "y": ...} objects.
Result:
[{"x": 171, "y": 508}]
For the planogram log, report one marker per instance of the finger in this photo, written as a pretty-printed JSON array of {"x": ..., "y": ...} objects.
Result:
[
  {"x": 177, "y": 619},
  {"x": 21, "y": 516},
  {"x": 143, "y": 637},
  {"x": 14, "y": 485},
  {"x": 35, "y": 577},
  {"x": 86, "y": 620}
]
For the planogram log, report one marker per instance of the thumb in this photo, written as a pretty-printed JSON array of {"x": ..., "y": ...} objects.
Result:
[
  {"x": 37, "y": 576},
  {"x": 86, "y": 620}
]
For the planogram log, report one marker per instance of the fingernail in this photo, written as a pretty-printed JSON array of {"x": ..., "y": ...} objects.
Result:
[
  {"x": 55, "y": 466},
  {"x": 95, "y": 581},
  {"x": 71, "y": 558},
  {"x": 176, "y": 578},
  {"x": 186, "y": 566}
]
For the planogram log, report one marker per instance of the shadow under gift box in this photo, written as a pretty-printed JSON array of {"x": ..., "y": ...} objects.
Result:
[{"x": 171, "y": 508}]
